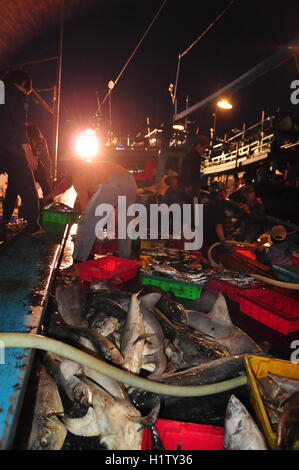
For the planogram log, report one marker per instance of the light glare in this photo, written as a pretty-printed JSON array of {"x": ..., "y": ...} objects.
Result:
[
  {"x": 224, "y": 104},
  {"x": 178, "y": 127},
  {"x": 87, "y": 144}
]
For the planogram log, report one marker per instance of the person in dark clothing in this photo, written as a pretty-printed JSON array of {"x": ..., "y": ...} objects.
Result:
[
  {"x": 191, "y": 169},
  {"x": 173, "y": 194},
  {"x": 253, "y": 214},
  {"x": 279, "y": 252},
  {"x": 262, "y": 173},
  {"x": 16, "y": 157},
  {"x": 39, "y": 147},
  {"x": 290, "y": 175},
  {"x": 214, "y": 215}
]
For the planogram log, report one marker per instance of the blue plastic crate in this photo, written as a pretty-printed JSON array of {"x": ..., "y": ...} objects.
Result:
[{"x": 288, "y": 273}]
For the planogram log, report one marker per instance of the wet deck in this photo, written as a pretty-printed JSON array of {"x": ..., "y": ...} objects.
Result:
[
  {"x": 26, "y": 271},
  {"x": 27, "y": 268}
]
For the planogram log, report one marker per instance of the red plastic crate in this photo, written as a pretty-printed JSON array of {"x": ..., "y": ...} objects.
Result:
[
  {"x": 246, "y": 252},
  {"x": 275, "y": 310},
  {"x": 233, "y": 291},
  {"x": 176, "y": 435},
  {"x": 105, "y": 247},
  {"x": 250, "y": 253},
  {"x": 148, "y": 173},
  {"x": 108, "y": 267}
]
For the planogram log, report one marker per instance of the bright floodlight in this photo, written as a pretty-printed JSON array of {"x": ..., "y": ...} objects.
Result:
[
  {"x": 224, "y": 104},
  {"x": 87, "y": 144},
  {"x": 178, "y": 127}
]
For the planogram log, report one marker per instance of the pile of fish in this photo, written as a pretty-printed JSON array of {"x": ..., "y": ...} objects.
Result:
[
  {"x": 240, "y": 430},
  {"x": 281, "y": 399},
  {"x": 148, "y": 334},
  {"x": 179, "y": 265}
]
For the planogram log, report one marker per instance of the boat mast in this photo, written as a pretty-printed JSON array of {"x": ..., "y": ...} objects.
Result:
[{"x": 57, "y": 93}]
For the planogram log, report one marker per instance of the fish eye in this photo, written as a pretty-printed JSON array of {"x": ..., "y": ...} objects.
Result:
[{"x": 44, "y": 442}]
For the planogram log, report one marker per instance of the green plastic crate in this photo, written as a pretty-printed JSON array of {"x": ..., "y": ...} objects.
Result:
[
  {"x": 59, "y": 217},
  {"x": 183, "y": 289}
]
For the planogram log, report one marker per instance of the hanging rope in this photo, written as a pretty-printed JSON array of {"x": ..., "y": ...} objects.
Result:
[
  {"x": 208, "y": 28},
  {"x": 197, "y": 40},
  {"x": 135, "y": 50}
]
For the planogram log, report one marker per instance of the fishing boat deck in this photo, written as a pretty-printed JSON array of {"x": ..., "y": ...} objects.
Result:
[{"x": 27, "y": 270}]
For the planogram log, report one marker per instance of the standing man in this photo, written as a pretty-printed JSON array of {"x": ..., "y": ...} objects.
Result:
[
  {"x": 214, "y": 215},
  {"x": 96, "y": 183},
  {"x": 191, "y": 169},
  {"x": 16, "y": 157},
  {"x": 40, "y": 149}
]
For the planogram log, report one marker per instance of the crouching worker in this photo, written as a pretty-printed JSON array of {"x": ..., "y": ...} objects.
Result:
[
  {"x": 277, "y": 250},
  {"x": 96, "y": 183}
]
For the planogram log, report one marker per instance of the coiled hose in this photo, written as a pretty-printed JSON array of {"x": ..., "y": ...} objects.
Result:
[
  {"x": 26, "y": 340},
  {"x": 258, "y": 277},
  {"x": 227, "y": 242},
  {"x": 274, "y": 282}
]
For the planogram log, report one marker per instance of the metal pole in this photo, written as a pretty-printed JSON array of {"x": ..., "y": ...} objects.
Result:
[
  {"x": 57, "y": 95},
  {"x": 237, "y": 154},
  {"x": 110, "y": 119},
  {"x": 148, "y": 125},
  {"x": 214, "y": 125},
  {"x": 243, "y": 132},
  {"x": 32, "y": 62},
  {"x": 263, "y": 121},
  {"x": 213, "y": 136},
  {"x": 99, "y": 106},
  {"x": 187, "y": 105}
]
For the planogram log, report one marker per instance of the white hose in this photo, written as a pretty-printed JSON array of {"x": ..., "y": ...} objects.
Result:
[
  {"x": 25, "y": 340},
  {"x": 258, "y": 277},
  {"x": 211, "y": 260},
  {"x": 274, "y": 282},
  {"x": 227, "y": 242}
]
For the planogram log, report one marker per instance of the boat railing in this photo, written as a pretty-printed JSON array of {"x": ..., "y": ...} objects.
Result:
[{"x": 242, "y": 149}]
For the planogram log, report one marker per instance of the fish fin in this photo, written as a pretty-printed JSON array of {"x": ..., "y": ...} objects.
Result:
[
  {"x": 219, "y": 313},
  {"x": 159, "y": 359},
  {"x": 151, "y": 418},
  {"x": 92, "y": 384},
  {"x": 149, "y": 301},
  {"x": 203, "y": 333},
  {"x": 141, "y": 338}
]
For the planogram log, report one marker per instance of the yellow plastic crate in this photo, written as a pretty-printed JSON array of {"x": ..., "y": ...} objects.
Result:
[
  {"x": 144, "y": 261},
  {"x": 152, "y": 244},
  {"x": 258, "y": 367}
]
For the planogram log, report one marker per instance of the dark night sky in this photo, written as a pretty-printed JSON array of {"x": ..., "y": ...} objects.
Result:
[{"x": 101, "y": 39}]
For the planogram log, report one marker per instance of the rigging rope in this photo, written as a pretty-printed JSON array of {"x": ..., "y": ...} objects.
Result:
[
  {"x": 135, "y": 50},
  {"x": 208, "y": 28},
  {"x": 197, "y": 40}
]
